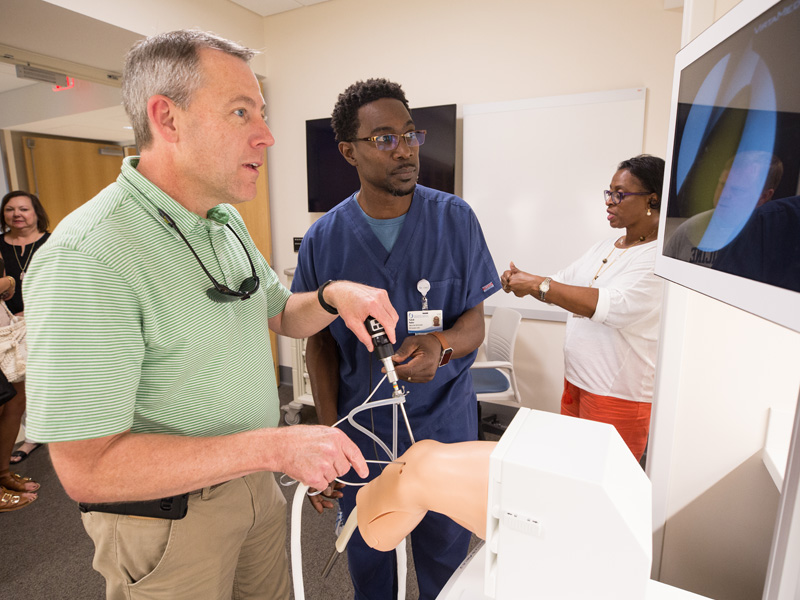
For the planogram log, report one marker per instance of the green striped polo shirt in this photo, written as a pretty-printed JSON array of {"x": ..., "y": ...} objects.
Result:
[{"x": 121, "y": 335}]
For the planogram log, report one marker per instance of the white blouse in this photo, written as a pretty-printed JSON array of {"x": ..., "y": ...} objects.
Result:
[{"x": 614, "y": 352}]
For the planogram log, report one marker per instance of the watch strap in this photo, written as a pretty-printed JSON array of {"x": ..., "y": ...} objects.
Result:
[
  {"x": 544, "y": 287},
  {"x": 321, "y": 299},
  {"x": 447, "y": 349}
]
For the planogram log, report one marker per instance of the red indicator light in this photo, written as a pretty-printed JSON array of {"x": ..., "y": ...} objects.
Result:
[{"x": 69, "y": 86}]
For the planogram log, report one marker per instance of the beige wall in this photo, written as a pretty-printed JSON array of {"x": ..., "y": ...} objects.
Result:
[{"x": 463, "y": 52}]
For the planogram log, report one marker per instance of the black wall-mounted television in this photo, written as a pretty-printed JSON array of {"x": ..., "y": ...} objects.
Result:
[{"x": 331, "y": 179}]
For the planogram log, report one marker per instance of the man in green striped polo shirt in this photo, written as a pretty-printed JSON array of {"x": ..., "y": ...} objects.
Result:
[{"x": 150, "y": 370}]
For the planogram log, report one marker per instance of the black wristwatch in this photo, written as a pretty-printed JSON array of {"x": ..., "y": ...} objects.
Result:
[
  {"x": 447, "y": 350},
  {"x": 322, "y": 302}
]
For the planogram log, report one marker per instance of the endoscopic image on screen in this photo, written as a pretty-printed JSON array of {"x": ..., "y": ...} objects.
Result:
[{"x": 733, "y": 202}]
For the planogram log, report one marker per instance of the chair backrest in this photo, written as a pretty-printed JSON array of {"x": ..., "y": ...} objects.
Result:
[{"x": 503, "y": 328}]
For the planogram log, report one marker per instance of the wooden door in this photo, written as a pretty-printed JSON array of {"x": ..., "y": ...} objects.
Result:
[
  {"x": 66, "y": 173},
  {"x": 256, "y": 216}
]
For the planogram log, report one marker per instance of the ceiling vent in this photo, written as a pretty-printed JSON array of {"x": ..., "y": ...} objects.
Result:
[{"x": 28, "y": 72}]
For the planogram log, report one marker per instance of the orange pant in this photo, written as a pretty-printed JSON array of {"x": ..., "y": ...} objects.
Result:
[{"x": 632, "y": 419}]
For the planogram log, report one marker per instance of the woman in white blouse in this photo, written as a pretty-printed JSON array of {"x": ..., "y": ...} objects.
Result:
[{"x": 614, "y": 301}]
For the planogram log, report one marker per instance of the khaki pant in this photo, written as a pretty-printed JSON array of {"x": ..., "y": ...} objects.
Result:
[{"x": 230, "y": 545}]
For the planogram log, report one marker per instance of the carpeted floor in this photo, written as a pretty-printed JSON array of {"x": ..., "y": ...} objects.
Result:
[{"x": 47, "y": 554}]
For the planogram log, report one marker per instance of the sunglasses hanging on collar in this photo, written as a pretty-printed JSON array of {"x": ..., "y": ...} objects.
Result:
[{"x": 221, "y": 293}]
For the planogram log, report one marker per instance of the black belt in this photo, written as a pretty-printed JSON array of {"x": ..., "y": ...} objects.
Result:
[{"x": 173, "y": 507}]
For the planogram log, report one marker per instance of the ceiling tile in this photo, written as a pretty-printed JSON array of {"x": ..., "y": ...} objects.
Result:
[{"x": 266, "y": 8}]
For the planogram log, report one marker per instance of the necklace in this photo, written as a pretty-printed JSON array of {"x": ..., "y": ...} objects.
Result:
[
  {"x": 642, "y": 238},
  {"x": 27, "y": 262},
  {"x": 605, "y": 265}
]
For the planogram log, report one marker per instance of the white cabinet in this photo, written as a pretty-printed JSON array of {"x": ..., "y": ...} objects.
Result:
[{"x": 301, "y": 385}]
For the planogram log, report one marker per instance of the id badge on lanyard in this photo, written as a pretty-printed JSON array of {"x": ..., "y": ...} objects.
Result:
[{"x": 424, "y": 321}]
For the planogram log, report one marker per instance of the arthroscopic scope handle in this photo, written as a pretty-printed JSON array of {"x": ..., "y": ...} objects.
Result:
[{"x": 383, "y": 349}]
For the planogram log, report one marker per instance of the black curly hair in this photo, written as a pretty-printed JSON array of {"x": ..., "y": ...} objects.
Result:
[
  {"x": 649, "y": 170},
  {"x": 344, "y": 118}
]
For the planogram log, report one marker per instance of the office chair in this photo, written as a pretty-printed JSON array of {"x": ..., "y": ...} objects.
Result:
[{"x": 494, "y": 378}]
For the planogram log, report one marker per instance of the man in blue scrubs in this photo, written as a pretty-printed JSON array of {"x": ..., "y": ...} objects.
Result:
[{"x": 427, "y": 250}]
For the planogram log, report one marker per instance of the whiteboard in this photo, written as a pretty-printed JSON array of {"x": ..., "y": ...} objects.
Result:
[{"x": 534, "y": 172}]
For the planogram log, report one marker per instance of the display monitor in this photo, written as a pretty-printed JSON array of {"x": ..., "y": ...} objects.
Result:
[
  {"x": 331, "y": 179},
  {"x": 730, "y": 219}
]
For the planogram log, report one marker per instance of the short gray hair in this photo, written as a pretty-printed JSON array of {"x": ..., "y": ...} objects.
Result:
[{"x": 167, "y": 64}]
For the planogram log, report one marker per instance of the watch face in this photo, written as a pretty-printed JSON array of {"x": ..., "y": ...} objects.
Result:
[
  {"x": 544, "y": 287},
  {"x": 445, "y": 356}
]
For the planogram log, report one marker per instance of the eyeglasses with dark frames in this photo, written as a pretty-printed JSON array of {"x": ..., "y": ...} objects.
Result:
[
  {"x": 221, "y": 293},
  {"x": 617, "y": 197},
  {"x": 390, "y": 141}
]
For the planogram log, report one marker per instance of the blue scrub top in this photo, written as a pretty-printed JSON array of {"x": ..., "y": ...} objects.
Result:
[{"x": 441, "y": 241}]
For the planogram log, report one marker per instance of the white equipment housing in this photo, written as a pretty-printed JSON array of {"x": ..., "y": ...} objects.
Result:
[{"x": 569, "y": 512}]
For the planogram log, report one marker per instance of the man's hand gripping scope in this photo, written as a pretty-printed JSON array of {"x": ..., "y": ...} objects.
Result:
[{"x": 384, "y": 350}]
